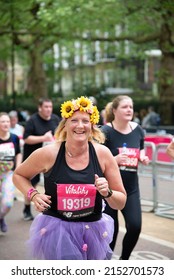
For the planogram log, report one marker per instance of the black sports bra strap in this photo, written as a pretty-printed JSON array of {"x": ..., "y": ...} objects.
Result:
[{"x": 94, "y": 160}]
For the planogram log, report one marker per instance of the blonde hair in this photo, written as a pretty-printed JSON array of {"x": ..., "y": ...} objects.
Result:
[
  {"x": 61, "y": 135},
  {"x": 4, "y": 114}
]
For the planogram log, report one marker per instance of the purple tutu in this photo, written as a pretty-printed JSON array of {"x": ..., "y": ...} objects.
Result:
[{"x": 54, "y": 239}]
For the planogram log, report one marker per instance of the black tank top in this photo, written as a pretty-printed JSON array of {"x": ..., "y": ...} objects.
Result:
[{"x": 61, "y": 173}]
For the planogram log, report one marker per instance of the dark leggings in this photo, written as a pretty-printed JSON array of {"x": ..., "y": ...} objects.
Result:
[{"x": 133, "y": 221}]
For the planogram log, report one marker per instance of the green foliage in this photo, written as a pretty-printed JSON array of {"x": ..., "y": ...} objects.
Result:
[
  {"x": 21, "y": 102},
  {"x": 126, "y": 28}
]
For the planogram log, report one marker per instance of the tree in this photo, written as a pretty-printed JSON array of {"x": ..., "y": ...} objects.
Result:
[{"x": 37, "y": 25}]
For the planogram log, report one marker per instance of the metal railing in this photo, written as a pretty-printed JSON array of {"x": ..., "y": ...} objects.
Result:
[{"x": 160, "y": 171}]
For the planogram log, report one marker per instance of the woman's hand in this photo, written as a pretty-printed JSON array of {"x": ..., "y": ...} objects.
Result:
[
  {"x": 144, "y": 160},
  {"x": 102, "y": 185},
  {"x": 41, "y": 202},
  {"x": 121, "y": 158}
]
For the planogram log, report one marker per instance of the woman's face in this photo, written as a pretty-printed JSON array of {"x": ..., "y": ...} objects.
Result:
[
  {"x": 78, "y": 127},
  {"x": 4, "y": 123},
  {"x": 124, "y": 110}
]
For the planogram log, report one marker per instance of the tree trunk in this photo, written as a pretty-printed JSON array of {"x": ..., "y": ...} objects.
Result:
[
  {"x": 37, "y": 78},
  {"x": 167, "y": 89},
  {"x": 166, "y": 78},
  {"x": 3, "y": 79}
]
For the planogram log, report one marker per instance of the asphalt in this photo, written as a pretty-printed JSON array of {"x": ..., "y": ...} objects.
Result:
[{"x": 156, "y": 240}]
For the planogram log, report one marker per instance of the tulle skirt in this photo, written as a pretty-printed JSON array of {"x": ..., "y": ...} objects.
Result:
[{"x": 54, "y": 239}]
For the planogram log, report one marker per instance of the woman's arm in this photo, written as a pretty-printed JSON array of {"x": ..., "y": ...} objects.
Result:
[
  {"x": 112, "y": 179},
  {"x": 18, "y": 159},
  {"x": 39, "y": 161},
  {"x": 170, "y": 149}
]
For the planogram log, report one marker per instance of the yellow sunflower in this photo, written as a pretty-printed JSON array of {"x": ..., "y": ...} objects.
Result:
[
  {"x": 95, "y": 116},
  {"x": 67, "y": 109},
  {"x": 84, "y": 103}
]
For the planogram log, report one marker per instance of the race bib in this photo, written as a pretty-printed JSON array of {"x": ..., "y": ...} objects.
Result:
[
  {"x": 131, "y": 162},
  {"x": 7, "y": 154},
  {"x": 7, "y": 151},
  {"x": 75, "y": 200}
]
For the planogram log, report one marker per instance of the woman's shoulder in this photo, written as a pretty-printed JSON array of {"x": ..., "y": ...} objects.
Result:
[
  {"x": 49, "y": 151},
  {"x": 138, "y": 127},
  {"x": 106, "y": 127},
  {"x": 108, "y": 124},
  {"x": 47, "y": 154},
  {"x": 104, "y": 155},
  {"x": 52, "y": 148},
  {"x": 100, "y": 149},
  {"x": 133, "y": 124}
]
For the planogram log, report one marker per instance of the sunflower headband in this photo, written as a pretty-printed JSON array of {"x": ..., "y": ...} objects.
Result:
[{"x": 83, "y": 104}]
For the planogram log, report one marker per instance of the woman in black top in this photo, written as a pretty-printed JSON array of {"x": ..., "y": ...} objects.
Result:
[
  {"x": 125, "y": 139},
  {"x": 78, "y": 174},
  {"x": 10, "y": 157}
]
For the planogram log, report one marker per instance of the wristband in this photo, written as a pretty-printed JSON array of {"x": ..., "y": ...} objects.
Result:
[
  {"x": 110, "y": 192},
  {"x": 34, "y": 195},
  {"x": 30, "y": 191}
]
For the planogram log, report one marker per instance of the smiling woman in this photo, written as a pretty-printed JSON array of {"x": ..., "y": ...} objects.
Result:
[{"x": 79, "y": 173}]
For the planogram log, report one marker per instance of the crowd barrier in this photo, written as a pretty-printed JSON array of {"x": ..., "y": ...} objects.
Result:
[
  {"x": 160, "y": 173},
  {"x": 159, "y": 139}
]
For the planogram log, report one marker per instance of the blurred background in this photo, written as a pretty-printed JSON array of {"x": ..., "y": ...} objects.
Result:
[{"x": 61, "y": 49}]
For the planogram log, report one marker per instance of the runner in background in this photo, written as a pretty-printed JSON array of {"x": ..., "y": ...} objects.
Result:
[
  {"x": 15, "y": 127},
  {"x": 125, "y": 139},
  {"x": 39, "y": 131},
  {"x": 10, "y": 157}
]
